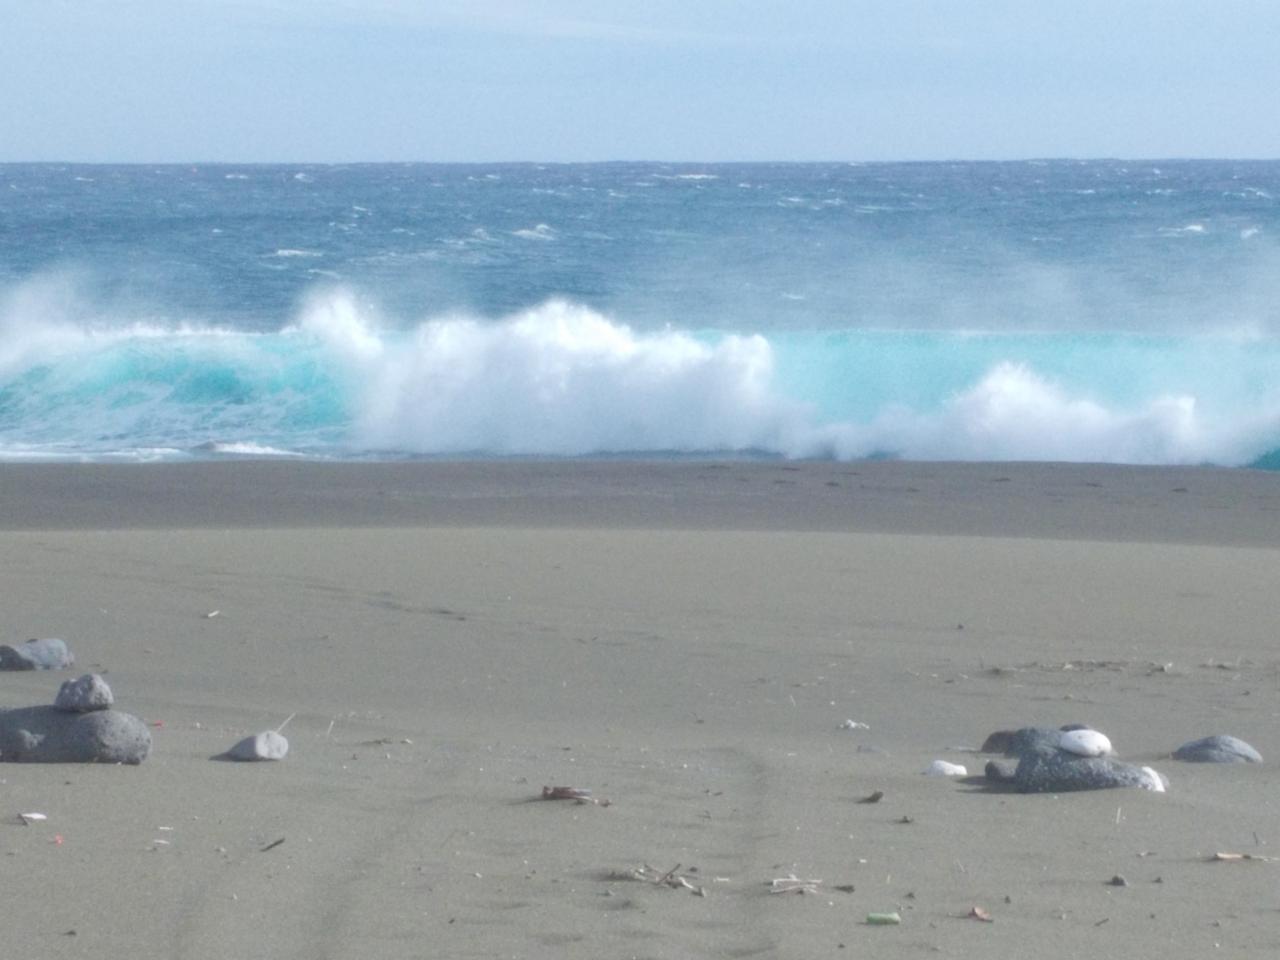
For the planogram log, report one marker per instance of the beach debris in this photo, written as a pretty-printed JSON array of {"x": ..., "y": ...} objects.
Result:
[
  {"x": 844, "y": 887},
  {"x": 48, "y": 654},
  {"x": 671, "y": 878},
  {"x": 942, "y": 768},
  {"x": 875, "y": 797},
  {"x": 1221, "y": 748},
  {"x": 211, "y": 614},
  {"x": 571, "y": 793},
  {"x": 383, "y": 742},
  {"x": 272, "y": 845},
  {"x": 854, "y": 725},
  {"x": 793, "y": 884},
  {"x": 1091, "y": 665},
  {"x": 1117, "y": 881},
  {"x": 1233, "y": 857},
  {"x": 46, "y": 734},
  {"x": 268, "y": 745},
  {"x": 979, "y": 913},
  {"x": 884, "y": 919},
  {"x": 84, "y": 694},
  {"x": 30, "y": 818}
]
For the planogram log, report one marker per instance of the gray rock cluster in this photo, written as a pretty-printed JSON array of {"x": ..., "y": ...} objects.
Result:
[
  {"x": 50, "y": 654},
  {"x": 80, "y": 727},
  {"x": 1044, "y": 766},
  {"x": 1049, "y": 762}
]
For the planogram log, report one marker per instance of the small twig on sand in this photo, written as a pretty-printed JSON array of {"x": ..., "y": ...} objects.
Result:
[
  {"x": 671, "y": 879},
  {"x": 571, "y": 793},
  {"x": 873, "y": 797},
  {"x": 1243, "y": 856},
  {"x": 793, "y": 884},
  {"x": 286, "y": 721}
]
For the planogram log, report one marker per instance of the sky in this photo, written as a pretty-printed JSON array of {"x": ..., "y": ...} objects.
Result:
[{"x": 682, "y": 80}]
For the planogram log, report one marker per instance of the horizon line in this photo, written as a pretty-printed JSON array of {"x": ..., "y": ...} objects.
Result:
[{"x": 622, "y": 162}]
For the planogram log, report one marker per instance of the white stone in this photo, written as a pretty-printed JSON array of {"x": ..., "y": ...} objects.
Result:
[
  {"x": 941, "y": 768},
  {"x": 1085, "y": 743},
  {"x": 268, "y": 745}
]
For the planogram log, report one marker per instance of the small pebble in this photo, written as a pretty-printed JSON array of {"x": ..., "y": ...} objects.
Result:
[
  {"x": 268, "y": 745},
  {"x": 1118, "y": 881}
]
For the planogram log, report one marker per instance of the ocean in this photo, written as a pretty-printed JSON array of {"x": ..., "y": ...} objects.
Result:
[{"x": 1106, "y": 310}]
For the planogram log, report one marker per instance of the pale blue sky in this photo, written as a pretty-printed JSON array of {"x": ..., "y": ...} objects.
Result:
[{"x": 711, "y": 80}]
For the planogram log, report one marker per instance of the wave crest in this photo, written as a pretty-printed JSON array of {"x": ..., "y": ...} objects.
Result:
[
  {"x": 559, "y": 379},
  {"x": 562, "y": 379}
]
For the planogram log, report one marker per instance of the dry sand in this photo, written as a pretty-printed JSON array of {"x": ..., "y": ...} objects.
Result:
[{"x": 684, "y": 640}]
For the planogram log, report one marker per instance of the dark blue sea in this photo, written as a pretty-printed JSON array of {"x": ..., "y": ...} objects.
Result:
[{"x": 1105, "y": 310}]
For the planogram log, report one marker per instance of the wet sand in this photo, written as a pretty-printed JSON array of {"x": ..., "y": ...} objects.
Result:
[{"x": 684, "y": 640}]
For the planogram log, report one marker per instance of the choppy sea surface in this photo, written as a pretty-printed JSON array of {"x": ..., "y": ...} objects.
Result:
[{"x": 1106, "y": 310}]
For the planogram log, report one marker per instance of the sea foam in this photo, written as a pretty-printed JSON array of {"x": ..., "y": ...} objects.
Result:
[
  {"x": 564, "y": 379},
  {"x": 559, "y": 379}
]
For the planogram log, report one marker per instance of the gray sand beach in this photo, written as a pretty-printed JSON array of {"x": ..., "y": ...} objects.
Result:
[{"x": 685, "y": 641}]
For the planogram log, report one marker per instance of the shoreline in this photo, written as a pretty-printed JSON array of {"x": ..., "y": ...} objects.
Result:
[{"x": 1208, "y": 505}]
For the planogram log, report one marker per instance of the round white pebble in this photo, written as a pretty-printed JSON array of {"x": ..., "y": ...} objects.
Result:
[
  {"x": 1085, "y": 743},
  {"x": 941, "y": 768}
]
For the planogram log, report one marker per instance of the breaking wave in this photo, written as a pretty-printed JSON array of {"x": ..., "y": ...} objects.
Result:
[{"x": 562, "y": 379}]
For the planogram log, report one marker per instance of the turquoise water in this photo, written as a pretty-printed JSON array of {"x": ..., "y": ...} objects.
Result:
[{"x": 1101, "y": 311}]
